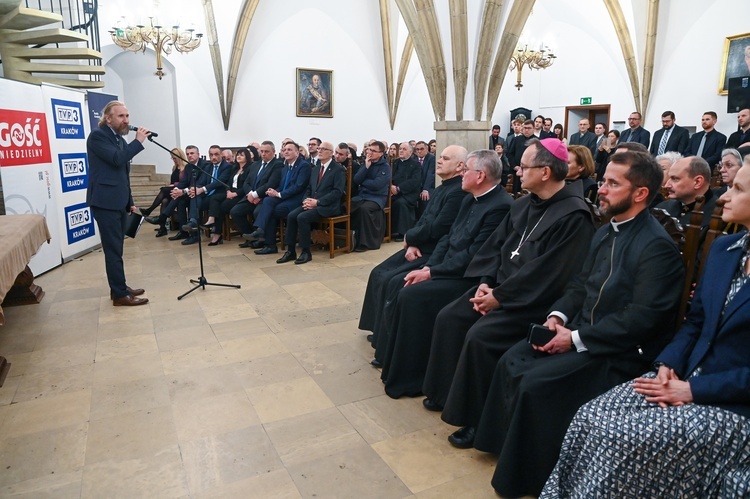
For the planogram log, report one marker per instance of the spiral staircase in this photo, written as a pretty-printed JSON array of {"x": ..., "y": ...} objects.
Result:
[{"x": 34, "y": 48}]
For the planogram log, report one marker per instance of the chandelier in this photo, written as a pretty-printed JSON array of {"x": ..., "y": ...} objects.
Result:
[
  {"x": 139, "y": 37},
  {"x": 534, "y": 59}
]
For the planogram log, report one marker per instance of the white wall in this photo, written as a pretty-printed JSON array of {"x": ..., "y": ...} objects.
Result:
[{"x": 345, "y": 37}]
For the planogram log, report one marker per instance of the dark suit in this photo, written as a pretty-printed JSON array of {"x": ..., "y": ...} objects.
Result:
[
  {"x": 219, "y": 205},
  {"x": 495, "y": 141},
  {"x": 109, "y": 197},
  {"x": 682, "y": 212},
  {"x": 587, "y": 140},
  {"x": 407, "y": 177},
  {"x": 640, "y": 135},
  {"x": 212, "y": 186},
  {"x": 328, "y": 192},
  {"x": 259, "y": 181},
  {"x": 428, "y": 180},
  {"x": 677, "y": 141},
  {"x": 294, "y": 181},
  {"x": 738, "y": 138},
  {"x": 514, "y": 153},
  {"x": 547, "y": 135},
  {"x": 714, "y": 338},
  {"x": 715, "y": 142}
]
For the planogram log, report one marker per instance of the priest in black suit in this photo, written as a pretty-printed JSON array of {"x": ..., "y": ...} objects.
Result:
[
  {"x": 322, "y": 199},
  {"x": 709, "y": 143},
  {"x": 406, "y": 183},
  {"x": 584, "y": 137},
  {"x": 419, "y": 241},
  {"x": 516, "y": 150},
  {"x": 689, "y": 178},
  {"x": 427, "y": 164},
  {"x": 419, "y": 295},
  {"x": 264, "y": 174},
  {"x": 676, "y": 136}
]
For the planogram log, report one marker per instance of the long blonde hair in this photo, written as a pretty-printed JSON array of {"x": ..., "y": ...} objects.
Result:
[
  {"x": 108, "y": 110},
  {"x": 183, "y": 161}
]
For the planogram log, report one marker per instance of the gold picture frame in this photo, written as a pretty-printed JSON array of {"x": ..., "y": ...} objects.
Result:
[
  {"x": 314, "y": 93},
  {"x": 735, "y": 63}
]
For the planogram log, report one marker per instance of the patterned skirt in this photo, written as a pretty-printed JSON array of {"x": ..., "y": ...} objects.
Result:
[{"x": 619, "y": 445}]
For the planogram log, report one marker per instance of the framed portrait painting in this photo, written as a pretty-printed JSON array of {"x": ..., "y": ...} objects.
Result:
[
  {"x": 315, "y": 93},
  {"x": 736, "y": 60}
]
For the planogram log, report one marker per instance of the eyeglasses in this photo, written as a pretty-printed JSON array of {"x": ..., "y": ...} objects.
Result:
[
  {"x": 309, "y": 144},
  {"x": 523, "y": 167},
  {"x": 321, "y": 148}
]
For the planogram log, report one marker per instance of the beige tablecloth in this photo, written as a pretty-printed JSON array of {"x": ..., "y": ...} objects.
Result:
[{"x": 20, "y": 238}]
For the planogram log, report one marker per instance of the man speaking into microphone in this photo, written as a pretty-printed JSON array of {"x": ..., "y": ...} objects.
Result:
[{"x": 109, "y": 195}]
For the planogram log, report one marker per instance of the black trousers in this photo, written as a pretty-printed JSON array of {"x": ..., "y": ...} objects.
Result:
[{"x": 299, "y": 223}]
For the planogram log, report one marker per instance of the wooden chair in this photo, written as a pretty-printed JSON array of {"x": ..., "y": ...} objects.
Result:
[
  {"x": 387, "y": 212},
  {"x": 327, "y": 235}
]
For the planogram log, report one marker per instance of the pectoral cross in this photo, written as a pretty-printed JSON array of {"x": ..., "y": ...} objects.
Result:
[{"x": 514, "y": 253}]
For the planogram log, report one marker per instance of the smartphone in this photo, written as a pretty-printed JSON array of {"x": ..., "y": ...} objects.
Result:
[{"x": 539, "y": 335}]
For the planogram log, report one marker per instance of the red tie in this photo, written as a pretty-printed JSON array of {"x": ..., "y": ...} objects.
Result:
[
  {"x": 320, "y": 175},
  {"x": 420, "y": 161}
]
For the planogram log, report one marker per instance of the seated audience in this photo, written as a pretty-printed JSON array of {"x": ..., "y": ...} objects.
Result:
[
  {"x": 163, "y": 198},
  {"x": 681, "y": 430},
  {"x": 500, "y": 150},
  {"x": 609, "y": 325},
  {"x": 322, "y": 199},
  {"x": 521, "y": 269},
  {"x": 263, "y": 174},
  {"x": 731, "y": 161},
  {"x": 426, "y": 161},
  {"x": 580, "y": 169},
  {"x": 295, "y": 175},
  {"x": 367, "y": 206},
  {"x": 345, "y": 156},
  {"x": 419, "y": 242},
  {"x": 221, "y": 204},
  {"x": 393, "y": 153},
  {"x": 420, "y": 294},
  {"x": 406, "y": 183},
  {"x": 666, "y": 161}
]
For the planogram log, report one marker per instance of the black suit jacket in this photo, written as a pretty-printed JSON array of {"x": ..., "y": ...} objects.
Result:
[
  {"x": 682, "y": 211},
  {"x": 677, "y": 142},
  {"x": 109, "y": 170},
  {"x": 407, "y": 176},
  {"x": 715, "y": 142},
  {"x": 428, "y": 173},
  {"x": 640, "y": 135},
  {"x": 330, "y": 189},
  {"x": 269, "y": 177},
  {"x": 546, "y": 135},
  {"x": 588, "y": 140},
  {"x": 738, "y": 138},
  {"x": 223, "y": 176}
]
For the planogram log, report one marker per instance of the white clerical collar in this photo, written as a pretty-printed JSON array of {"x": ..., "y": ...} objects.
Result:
[
  {"x": 616, "y": 225},
  {"x": 485, "y": 192}
]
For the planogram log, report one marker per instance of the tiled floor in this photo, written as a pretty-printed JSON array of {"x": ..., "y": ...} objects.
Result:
[{"x": 260, "y": 392}]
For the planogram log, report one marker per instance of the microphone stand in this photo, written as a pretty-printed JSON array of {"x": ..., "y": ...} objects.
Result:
[{"x": 201, "y": 281}]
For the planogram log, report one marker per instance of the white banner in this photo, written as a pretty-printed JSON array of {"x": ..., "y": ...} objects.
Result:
[
  {"x": 26, "y": 164},
  {"x": 68, "y": 128}
]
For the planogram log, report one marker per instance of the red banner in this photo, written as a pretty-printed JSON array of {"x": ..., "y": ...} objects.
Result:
[{"x": 23, "y": 138}]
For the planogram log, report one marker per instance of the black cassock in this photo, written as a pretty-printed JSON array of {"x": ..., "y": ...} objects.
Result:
[
  {"x": 622, "y": 304},
  {"x": 407, "y": 176},
  {"x": 404, "y": 344},
  {"x": 434, "y": 223},
  {"x": 556, "y": 233}
]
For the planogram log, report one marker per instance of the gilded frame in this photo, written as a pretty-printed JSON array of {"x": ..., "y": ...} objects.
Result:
[
  {"x": 314, "y": 93},
  {"x": 734, "y": 60}
]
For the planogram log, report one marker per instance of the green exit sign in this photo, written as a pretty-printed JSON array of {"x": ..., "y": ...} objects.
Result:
[{"x": 585, "y": 101}]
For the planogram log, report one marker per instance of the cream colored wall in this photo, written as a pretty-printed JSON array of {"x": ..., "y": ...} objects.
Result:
[{"x": 345, "y": 36}]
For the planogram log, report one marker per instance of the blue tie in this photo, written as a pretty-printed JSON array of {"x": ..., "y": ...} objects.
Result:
[
  {"x": 216, "y": 173},
  {"x": 257, "y": 177},
  {"x": 288, "y": 174}
]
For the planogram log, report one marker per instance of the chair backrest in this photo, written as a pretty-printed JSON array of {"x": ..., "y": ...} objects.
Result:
[{"x": 673, "y": 226}]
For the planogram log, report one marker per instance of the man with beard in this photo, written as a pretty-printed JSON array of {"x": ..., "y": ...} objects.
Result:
[
  {"x": 109, "y": 195},
  {"x": 419, "y": 241},
  {"x": 522, "y": 269},
  {"x": 516, "y": 150},
  {"x": 609, "y": 325}
]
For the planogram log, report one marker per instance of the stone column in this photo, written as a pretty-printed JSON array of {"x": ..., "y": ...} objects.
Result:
[{"x": 470, "y": 134}]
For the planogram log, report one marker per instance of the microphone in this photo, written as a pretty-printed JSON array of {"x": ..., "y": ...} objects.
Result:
[{"x": 135, "y": 129}]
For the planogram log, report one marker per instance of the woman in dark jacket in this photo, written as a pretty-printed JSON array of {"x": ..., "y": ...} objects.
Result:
[
  {"x": 580, "y": 168},
  {"x": 222, "y": 202},
  {"x": 163, "y": 198}
]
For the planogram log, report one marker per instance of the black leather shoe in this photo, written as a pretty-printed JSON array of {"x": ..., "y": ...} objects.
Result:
[
  {"x": 190, "y": 240},
  {"x": 217, "y": 242},
  {"x": 376, "y": 363},
  {"x": 258, "y": 233},
  {"x": 180, "y": 235},
  {"x": 397, "y": 237},
  {"x": 288, "y": 256},
  {"x": 207, "y": 226},
  {"x": 303, "y": 258},
  {"x": 370, "y": 337},
  {"x": 432, "y": 406},
  {"x": 267, "y": 250},
  {"x": 145, "y": 211},
  {"x": 246, "y": 244},
  {"x": 463, "y": 438},
  {"x": 152, "y": 220},
  {"x": 360, "y": 249},
  {"x": 257, "y": 244},
  {"x": 161, "y": 232},
  {"x": 190, "y": 227}
]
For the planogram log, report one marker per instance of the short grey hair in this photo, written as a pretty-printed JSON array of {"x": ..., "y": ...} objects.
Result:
[
  {"x": 671, "y": 156},
  {"x": 489, "y": 162}
]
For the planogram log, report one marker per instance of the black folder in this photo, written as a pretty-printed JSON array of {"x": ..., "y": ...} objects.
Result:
[{"x": 132, "y": 224}]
